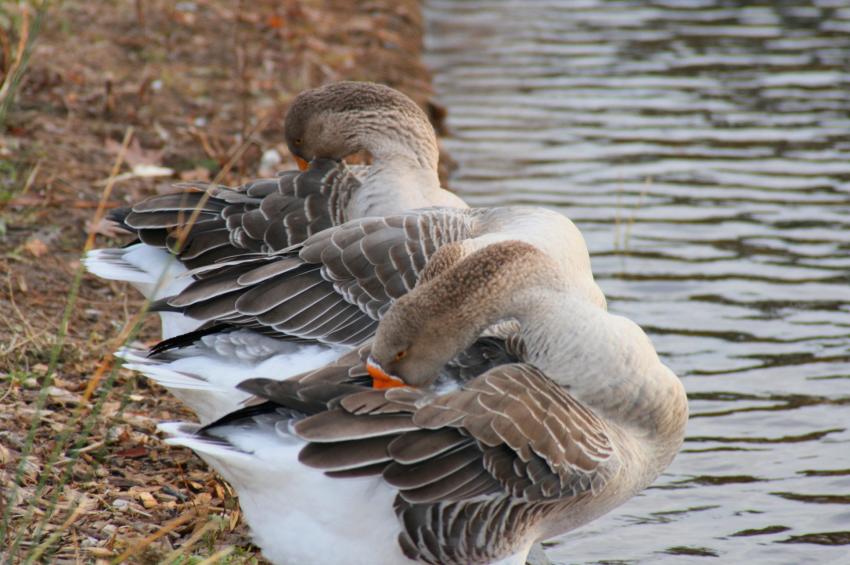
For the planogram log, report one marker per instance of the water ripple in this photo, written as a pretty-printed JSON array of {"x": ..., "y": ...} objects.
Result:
[{"x": 703, "y": 148}]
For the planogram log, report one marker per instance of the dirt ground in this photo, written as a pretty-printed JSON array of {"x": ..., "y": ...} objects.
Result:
[{"x": 199, "y": 86}]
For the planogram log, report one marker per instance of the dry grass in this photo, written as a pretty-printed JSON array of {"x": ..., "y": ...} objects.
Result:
[{"x": 202, "y": 87}]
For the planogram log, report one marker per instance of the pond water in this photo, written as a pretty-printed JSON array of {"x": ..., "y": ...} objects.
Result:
[{"x": 703, "y": 148}]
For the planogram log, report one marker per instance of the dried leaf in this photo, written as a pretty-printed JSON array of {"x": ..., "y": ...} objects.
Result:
[
  {"x": 275, "y": 22},
  {"x": 64, "y": 396},
  {"x": 148, "y": 500},
  {"x": 99, "y": 551},
  {"x": 234, "y": 519},
  {"x": 201, "y": 174},
  {"x": 135, "y": 155},
  {"x": 133, "y": 452},
  {"x": 35, "y": 247}
]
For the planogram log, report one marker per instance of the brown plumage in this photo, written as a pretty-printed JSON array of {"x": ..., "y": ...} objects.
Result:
[
  {"x": 339, "y": 119},
  {"x": 353, "y": 272},
  {"x": 574, "y": 417},
  {"x": 323, "y": 126}
]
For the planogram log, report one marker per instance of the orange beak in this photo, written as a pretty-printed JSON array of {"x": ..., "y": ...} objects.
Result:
[
  {"x": 302, "y": 164},
  {"x": 380, "y": 378}
]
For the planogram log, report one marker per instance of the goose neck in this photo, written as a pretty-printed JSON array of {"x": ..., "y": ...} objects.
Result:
[{"x": 407, "y": 139}]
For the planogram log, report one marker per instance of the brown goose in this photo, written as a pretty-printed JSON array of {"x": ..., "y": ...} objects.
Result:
[
  {"x": 565, "y": 427},
  {"x": 328, "y": 294},
  {"x": 323, "y": 126}
]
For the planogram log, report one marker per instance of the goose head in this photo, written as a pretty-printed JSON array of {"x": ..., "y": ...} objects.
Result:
[
  {"x": 343, "y": 118},
  {"x": 441, "y": 317}
]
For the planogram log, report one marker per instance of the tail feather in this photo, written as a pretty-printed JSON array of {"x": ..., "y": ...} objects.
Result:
[
  {"x": 186, "y": 434},
  {"x": 110, "y": 264},
  {"x": 155, "y": 272},
  {"x": 205, "y": 375}
]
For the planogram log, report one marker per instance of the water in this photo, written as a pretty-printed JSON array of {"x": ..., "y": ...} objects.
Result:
[{"x": 703, "y": 147}]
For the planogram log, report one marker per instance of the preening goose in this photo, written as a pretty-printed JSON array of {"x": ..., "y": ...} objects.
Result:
[
  {"x": 330, "y": 291},
  {"x": 575, "y": 416},
  {"x": 325, "y": 124}
]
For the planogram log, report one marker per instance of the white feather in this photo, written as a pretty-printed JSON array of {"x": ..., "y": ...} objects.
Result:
[
  {"x": 297, "y": 514},
  {"x": 153, "y": 271},
  {"x": 204, "y": 376}
]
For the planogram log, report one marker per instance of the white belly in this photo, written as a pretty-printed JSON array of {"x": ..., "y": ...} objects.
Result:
[{"x": 298, "y": 515}]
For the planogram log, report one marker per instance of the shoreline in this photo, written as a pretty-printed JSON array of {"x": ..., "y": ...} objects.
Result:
[{"x": 191, "y": 80}]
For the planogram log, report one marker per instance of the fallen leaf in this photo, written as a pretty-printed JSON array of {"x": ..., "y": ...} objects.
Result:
[
  {"x": 197, "y": 174},
  {"x": 135, "y": 155},
  {"x": 148, "y": 500},
  {"x": 275, "y": 21},
  {"x": 99, "y": 551},
  {"x": 35, "y": 247},
  {"x": 61, "y": 395},
  {"x": 132, "y": 453}
]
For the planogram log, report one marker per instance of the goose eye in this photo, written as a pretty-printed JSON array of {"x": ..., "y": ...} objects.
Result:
[
  {"x": 400, "y": 355},
  {"x": 298, "y": 141}
]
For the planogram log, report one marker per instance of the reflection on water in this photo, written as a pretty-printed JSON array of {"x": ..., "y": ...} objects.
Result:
[{"x": 703, "y": 147}]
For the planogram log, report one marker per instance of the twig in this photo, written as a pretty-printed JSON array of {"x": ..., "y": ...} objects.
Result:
[
  {"x": 183, "y": 233},
  {"x": 31, "y": 177},
  {"x": 217, "y": 556},
  {"x": 169, "y": 527},
  {"x": 107, "y": 191},
  {"x": 29, "y": 31},
  {"x": 56, "y": 534},
  {"x": 628, "y": 235},
  {"x": 24, "y": 320},
  {"x": 19, "y": 52},
  {"x": 193, "y": 539},
  {"x": 13, "y": 346}
]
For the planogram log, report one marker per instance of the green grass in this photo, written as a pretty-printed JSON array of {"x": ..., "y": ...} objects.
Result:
[
  {"x": 20, "y": 23},
  {"x": 36, "y": 532}
]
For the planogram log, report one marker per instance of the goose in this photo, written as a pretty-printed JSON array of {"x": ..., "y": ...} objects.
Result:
[
  {"x": 322, "y": 126},
  {"x": 325, "y": 295},
  {"x": 575, "y": 417}
]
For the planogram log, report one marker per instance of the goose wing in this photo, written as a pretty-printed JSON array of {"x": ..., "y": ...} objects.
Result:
[
  {"x": 474, "y": 467},
  {"x": 334, "y": 286},
  {"x": 262, "y": 216}
]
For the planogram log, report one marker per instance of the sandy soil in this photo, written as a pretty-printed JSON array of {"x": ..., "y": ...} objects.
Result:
[{"x": 194, "y": 82}]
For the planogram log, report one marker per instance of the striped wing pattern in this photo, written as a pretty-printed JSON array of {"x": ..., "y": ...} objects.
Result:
[
  {"x": 262, "y": 216},
  {"x": 475, "y": 468},
  {"x": 332, "y": 288}
]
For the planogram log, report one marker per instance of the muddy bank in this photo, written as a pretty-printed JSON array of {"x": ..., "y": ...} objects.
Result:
[{"x": 193, "y": 80}]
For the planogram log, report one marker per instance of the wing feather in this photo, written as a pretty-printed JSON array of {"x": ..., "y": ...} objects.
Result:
[{"x": 365, "y": 263}]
